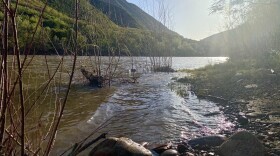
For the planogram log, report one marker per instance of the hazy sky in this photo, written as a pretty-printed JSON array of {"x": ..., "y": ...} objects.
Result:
[{"x": 190, "y": 17}]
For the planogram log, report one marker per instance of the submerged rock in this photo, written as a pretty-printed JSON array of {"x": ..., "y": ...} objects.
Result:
[
  {"x": 212, "y": 114},
  {"x": 207, "y": 141},
  {"x": 119, "y": 147},
  {"x": 242, "y": 144}
]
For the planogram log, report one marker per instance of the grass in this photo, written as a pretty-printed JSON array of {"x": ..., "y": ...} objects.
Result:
[{"x": 235, "y": 80}]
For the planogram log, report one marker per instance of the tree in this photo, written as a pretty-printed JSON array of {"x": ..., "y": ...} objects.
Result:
[
  {"x": 255, "y": 24},
  {"x": 241, "y": 11}
]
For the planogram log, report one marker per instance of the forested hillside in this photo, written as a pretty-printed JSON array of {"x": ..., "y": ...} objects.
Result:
[{"x": 130, "y": 33}]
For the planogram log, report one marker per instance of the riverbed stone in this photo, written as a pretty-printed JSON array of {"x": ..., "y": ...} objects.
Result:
[
  {"x": 212, "y": 114},
  {"x": 242, "y": 120},
  {"x": 207, "y": 141},
  {"x": 182, "y": 148},
  {"x": 188, "y": 154},
  {"x": 159, "y": 148},
  {"x": 170, "y": 152},
  {"x": 119, "y": 147},
  {"x": 256, "y": 115},
  {"x": 242, "y": 144}
]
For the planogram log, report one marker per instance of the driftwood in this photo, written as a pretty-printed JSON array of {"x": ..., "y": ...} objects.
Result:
[
  {"x": 97, "y": 80},
  {"x": 94, "y": 80}
]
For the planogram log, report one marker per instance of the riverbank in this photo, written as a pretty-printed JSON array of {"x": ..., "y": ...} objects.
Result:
[{"x": 248, "y": 93}]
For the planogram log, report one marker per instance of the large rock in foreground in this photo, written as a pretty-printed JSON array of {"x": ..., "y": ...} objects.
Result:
[
  {"x": 119, "y": 147},
  {"x": 242, "y": 144}
]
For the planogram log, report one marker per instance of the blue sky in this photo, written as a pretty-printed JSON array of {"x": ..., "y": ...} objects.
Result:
[{"x": 190, "y": 18}]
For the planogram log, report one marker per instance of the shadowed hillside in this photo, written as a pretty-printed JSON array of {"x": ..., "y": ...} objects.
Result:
[
  {"x": 127, "y": 14},
  {"x": 258, "y": 35}
]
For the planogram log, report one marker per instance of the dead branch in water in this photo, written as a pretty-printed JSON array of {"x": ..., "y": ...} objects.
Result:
[{"x": 95, "y": 80}]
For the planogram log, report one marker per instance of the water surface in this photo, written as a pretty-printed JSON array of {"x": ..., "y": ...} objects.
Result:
[{"x": 156, "y": 109}]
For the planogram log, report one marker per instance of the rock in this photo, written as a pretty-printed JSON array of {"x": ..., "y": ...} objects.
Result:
[
  {"x": 144, "y": 144},
  {"x": 250, "y": 86},
  {"x": 238, "y": 74},
  {"x": 262, "y": 136},
  {"x": 212, "y": 114},
  {"x": 188, "y": 154},
  {"x": 242, "y": 144},
  {"x": 119, "y": 146},
  {"x": 256, "y": 115},
  {"x": 170, "y": 152},
  {"x": 242, "y": 120},
  {"x": 160, "y": 148},
  {"x": 207, "y": 142},
  {"x": 182, "y": 148}
]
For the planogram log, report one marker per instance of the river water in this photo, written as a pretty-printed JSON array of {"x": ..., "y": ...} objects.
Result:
[{"x": 155, "y": 109}]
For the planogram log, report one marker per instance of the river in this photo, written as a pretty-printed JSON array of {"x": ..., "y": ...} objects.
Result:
[{"x": 156, "y": 109}]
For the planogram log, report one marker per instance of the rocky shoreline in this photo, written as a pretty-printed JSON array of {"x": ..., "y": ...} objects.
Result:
[
  {"x": 250, "y": 137},
  {"x": 248, "y": 96},
  {"x": 242, "y": 143},
  {"x": 256, "y": 123}
]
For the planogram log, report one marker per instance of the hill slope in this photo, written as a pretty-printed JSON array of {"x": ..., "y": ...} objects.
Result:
[
  {"x": 244, "y": 41},
  {"x": 127, "y": 14},
  {"x": 258, "y": 35},
  {"x": 96, "y": 28}
]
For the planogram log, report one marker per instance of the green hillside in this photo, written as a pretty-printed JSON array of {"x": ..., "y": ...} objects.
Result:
[{"x": 96, "y": 28}]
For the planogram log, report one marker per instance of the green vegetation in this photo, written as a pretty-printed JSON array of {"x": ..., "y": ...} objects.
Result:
[
  {"x": 253, "y": 47},
  {"x": 95, "y": 28},
  {"x": 237, "y": 80},
  {"x": 1, "y": 15}
]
